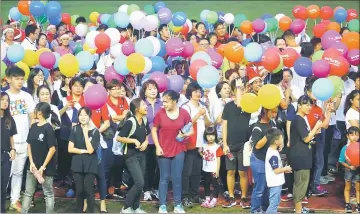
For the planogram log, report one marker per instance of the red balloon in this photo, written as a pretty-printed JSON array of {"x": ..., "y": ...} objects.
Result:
[
  {"x": 351, "y": 14},
  {"x": 66, "y": 18},
  {"x": 339, "y": 66},
  {"x": 352, "y": 154},
  {"x": 325, "y": 22},
  {"x": 289, "y": 55},
  {"x": 270, "y": 60},
  {"x": 72, "y": 29},
  {"x": 319, "y": 30},
  {"x": 185, "y": 29},
  {"x": 195, "y": 67},
  {"x": 122, "y": 39},
  {"x": 330, "y": 54},
  {"x": 326, "y": 12},
  {"x": 300, "y": 12},
  {"x": 102, "y": 42}
]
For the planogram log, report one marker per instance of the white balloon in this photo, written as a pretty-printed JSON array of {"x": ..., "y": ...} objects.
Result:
[
  {"x": 279, "y": 16},
  {"x": 229, "y": 18},
  {"x": 151, "y": 23},
  {"x": 114, "y": 35},
  {"x": 81, "y": 29},
  {"x": 123, "y": 8},
  {"x": 189, "y": 23},
  {"x": 156, "y": 44},
  {"x": 115, "y": 50},
  {"x": 148, "y": 65},
  {"x": 137, "y": 19},
  {"x": 90, "y": 38},
  {"x": 3, "y": 50}
]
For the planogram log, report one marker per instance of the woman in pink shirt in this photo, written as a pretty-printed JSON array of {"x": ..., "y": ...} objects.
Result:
[{"x": 64, "y": 48}]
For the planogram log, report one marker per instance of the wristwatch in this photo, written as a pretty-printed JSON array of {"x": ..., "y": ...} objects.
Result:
[{"x": 13, "y": 149}]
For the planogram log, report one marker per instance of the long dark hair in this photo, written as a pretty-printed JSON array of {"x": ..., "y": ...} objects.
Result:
[
  {"x": 146, "y": 85},
  {"x": 219, "y": 87},
  {"x": 46, "y": 111},
  {"x": 30, "y": 81},
  {"x": 350, "y": 97},
  {"x": 7, "y": 114},
  {"x": 135, "y": 104}
]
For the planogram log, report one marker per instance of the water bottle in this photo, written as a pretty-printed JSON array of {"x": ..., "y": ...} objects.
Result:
[
  {"x": 37, "y": 175},
  {"x": 184, "y": 130}
]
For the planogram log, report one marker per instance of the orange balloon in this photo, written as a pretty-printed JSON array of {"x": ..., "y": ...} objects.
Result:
[
  {"x": 234, "y": 52},
  {"x": 197, "y": 47},
  {"x": 284, "y": 23},
  {"x": 319, "y": 30},
  {"x": 246, "y": 27},
  {"x": 221, "y": 49},
  {"x": 313, "y": 11},
  {"x": 351, "y": 40},
  {"x": 23, "y": 7},
  {"x": 333, "y": 26}
]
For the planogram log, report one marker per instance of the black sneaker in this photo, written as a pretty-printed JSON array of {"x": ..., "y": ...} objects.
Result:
[
  {"x": 119, "y": 194},
  {"x": 348, "y": 208},
  {"x": 196, "y": 200},
  {"x": 187, "y": 203},
  {"x": 245, "y": 203},
  {"x": 230, "y": 203},
  {"x": 357, "y": 209}
]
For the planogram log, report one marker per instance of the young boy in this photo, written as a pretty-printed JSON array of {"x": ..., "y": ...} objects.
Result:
[
  {"x": 274, "y": 171},
  {"x": 352, "y": 173}
]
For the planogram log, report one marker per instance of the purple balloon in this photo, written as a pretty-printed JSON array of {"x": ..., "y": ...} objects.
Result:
[
  {"x": 216, "y": 58},
  {"x": 176, "y": 83},
  {"x": 188, "y": 49},
  {"x": 47, "y": 59},
  {"x": 111, "y": 74},
  {"x": 95, "y": 96},
  {"x": 161, "y": 80},
  {"x": 128, "y": 48},
  {"x": 303, "y": 66},
  {"x": 321, "y": 68},
  {"x": 329, "y": 38},
  {"x": 297, "y": 26},
  {"x": 165, "y": 15},
  {"x": 354, "y": 57},
  {"x": 258, "y": 25},
  {"x": 343, "y": 49},
  {"x": 174, "y": 46}
]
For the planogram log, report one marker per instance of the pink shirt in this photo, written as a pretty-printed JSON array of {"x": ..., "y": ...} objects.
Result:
[{"x": 61, "y": 50}]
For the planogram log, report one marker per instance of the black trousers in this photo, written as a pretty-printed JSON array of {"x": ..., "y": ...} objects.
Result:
[
  {"x": 329, "y": 133},
  {"x": 5, "y": 176},
  {"x": 152, "y": 172},
  {"x": 191, "y": 174},
  {"x": 84, "y": 183},
  {"x": 209, "y": 180},
  {"x": 223, "y": 173},
  {"x": 64, "y": 160}
]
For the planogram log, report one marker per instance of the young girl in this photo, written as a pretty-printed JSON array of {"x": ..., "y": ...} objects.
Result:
[
  {"x": 41, "y": 149},
  {"x": 44, "y": 94},
  {"x": 211, "y": 153},
  {"x": 351, "y": 172}
]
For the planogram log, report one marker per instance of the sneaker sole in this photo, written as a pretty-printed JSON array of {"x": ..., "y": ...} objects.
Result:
[
  {"x": 286, "y": 200},
  {"x": 229, "y": 206}
]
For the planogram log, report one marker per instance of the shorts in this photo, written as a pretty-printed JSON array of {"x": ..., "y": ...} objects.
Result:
[
  {"x": 352, "y": 175},
  {"x": 301, "y": 182},
  {"x": 236, "y": 163}
]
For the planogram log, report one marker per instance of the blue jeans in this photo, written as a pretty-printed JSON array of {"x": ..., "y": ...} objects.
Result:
[
  {"x": 318, "y": 159},
  {"x": 260, "y": 194},
  {"x": 171, "y": 167},
  {"x": 274, "y": 199}
]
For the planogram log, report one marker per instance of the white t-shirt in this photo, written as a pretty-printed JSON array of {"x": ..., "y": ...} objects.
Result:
[
  {"x": 28, "y": 44},
  {"x": 105, "y": 61},
  {"x": 210, "y": 157},
  {"x": 349, "y": 86},
  {"x": 297, "y": 80},
  {"x": 182, "y": 100},
  {"x": 216, "y": 108},
  {"x": 21, "y": 105},
  {"x": 272, "y": 162},
  {"x": 351, "y": 114}
]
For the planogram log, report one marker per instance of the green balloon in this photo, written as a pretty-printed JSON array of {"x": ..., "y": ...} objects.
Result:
[
  {"x": 338, "y": 85},
  {"x": 239, "y": 18},
  {"x": 41, "y": 19},
  {"x": 317, "y": 55},
  {"x": 171, "y": 25},
  {"x": 24, "y": 18},
  {"x": 3, "y": 69},
  {"x": 132, "y": 8},
  {"x": 73, "y": 19},
  {"x": 354, "y": 25},
  {"x": 77, "y": 48},
  {"x": 111, "y": 22},
  {"x": 281, "y": 65},
  {"x": 149, "y": 9},
  {"x": 272, "y": 24},
  {"x": 212, "y": 17}
]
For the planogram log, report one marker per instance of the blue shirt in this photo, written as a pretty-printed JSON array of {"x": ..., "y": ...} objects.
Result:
[{"x": 342, "y": 158}]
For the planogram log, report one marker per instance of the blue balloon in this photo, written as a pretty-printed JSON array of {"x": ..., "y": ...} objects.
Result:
[
  {"x": 179, "y": 18},
  {"x": 57, "y": 56},
  {"x": 302, "y": 66},
  {"x": 121, "y": 19},
  {"x": 53, "y": 9},
  {"x": 266, "y": 16},
  {"x": 145, "y": 78},
  {"x": 158, "y": 64},
  {"x": 245, "y": 42},
  {"x": 55, "y": 20},
  {"x": 201, "y": 55},
  {"x": 340, "y": 15},
  {"x": 158, "y": 6},
  {"x": 144, "y": 47},
  {"x": 162, "y": 51},
  {"x": 15, "y": 53},
  {"x": 120, "y": 65},
  {"x": 265, "y": 29},
  {"x": 44, "y": 70},
  {"x": 221, "y": 16},
  {"x": 92, "y": 28},
  {"x": 86, "y": 60},
  {"x": 37, "y": 8},
  {"x": 323, "y": 89},
  {"x": 253, "y": 52},
  {"x": 208, "y": 76},
  {"x": 14, "y": 14},
  {"x": 207, "y": 25},
  {"x": 105, "y": 18},
  {"x": 203, "y": 15}
]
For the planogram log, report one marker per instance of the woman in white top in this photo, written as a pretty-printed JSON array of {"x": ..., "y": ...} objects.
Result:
[
  {"x": 35, "y": 80},
  {"x": 351, "y": 110},
  {"x": 44, "y": 94}
]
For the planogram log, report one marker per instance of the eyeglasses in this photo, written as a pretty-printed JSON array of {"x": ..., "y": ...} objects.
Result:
[
  {"x": 115, "y": 89},
  {"x": 40, "y": 75},
  {"x": 204, "y": 45}
]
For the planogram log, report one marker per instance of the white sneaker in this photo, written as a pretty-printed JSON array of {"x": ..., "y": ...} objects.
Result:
[
  {"x": 155, "y": 193},
  {"x": 179, "y": 209},
  {"x": 162, "y": 209},
  {"x": 128, "y": 210},
  {"x": 139, "y": 210},
  {"x": 147, "y": 196}
]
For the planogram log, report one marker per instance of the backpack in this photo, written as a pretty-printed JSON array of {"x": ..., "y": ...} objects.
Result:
[
  {"x": 98, "y": 150},
  {"x": 119, "y": 148}
]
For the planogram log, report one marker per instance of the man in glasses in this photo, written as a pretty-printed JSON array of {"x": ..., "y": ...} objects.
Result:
[{"x": 32, "y": 34}]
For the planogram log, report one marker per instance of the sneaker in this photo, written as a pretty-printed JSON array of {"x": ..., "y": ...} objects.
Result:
[
  {"x": 305, "y": 201},
  {"x": 128, "y": 210},
  {"x": 333, "y": 171},
  {"x": 187, "y": 203},
  {"x": 206, "y": 203},
  {"x": 284, "y": 189},
  {"x": 319, "y": 191},
  {"x": 118, "y": 194},
  {"x": 348, "y": 208},
  {"x": 288, "y": 197},
  {"x": 213, "y": 203},
  {"x": 357, "y": 209},
  {"x": 329, "y": 178},
  {"x": 147, "y": 196},
  {"x": 245, "y": 203},
  {"x": 139, "y": 210},
  {"x": 237, "y": 192},
  {"x": 162, "y": 209},
  {"x": 155, "y": 193},
  {"x": 15, "y": 207},
  {"x": 197, "y": 200},
  {"x": 230, "y": 203},
  {"x": 305, "y": 210},
  {"x": 179, "y": 209},
  {"x": 226, "y": 194},
  {"x": 323, "y": 180}
]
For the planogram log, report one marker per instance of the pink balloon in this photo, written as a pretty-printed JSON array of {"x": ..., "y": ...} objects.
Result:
[
  {"x": 329, "y": 38},
  {"x": 47, "y": 59},
  {"x": 111, "y": 74},
  {"x": 99, "y": 19},
  {"x": 188, "y": 50},
  {"x": 216, "y": 58},
  {"x": 95, "y": 96},
  {"x": 161, "y": 80},
  {"x": 353, "y": 57},
  {"x": 174, "y": 46},
  {"x": 321, "y": 68},
  {"x": 297, "y": 26},
  {"x": 128, "y": 48},
  {"x": 258, "y": 25},
  {"x": 343, "y": 49}
]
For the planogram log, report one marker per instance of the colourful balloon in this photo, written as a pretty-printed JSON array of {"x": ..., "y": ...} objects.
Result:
[
  {"x": 161, "y": 80},
  {"x": 95, "y": 96},
  {"x": 149, "y": 9},
  {"x": 340, "y": 15},
  {"x": 253, "y": 52},
  {"x": 322, "y": 89},
  {"x": 94, "y": 17},
  {"x": 333, "y": 26},
  {"x": 329, "y": 38},
  {"x": 25, "y": 68},
  {"x": 188, "y": 49},
  {"x": 30, "y": 58},
  {"x": 14, "y": 14},
  {"x": 201, "y": 55},
  {"x": 66, "y": 18},
  {"x": 212, "y": 17},
  {"x": 15, "y": 53},
  {"x": 353, "y": 25},
  {"x": 164, "y": 15},
  {"x": 3, "y": 69},
  {"x": 258, "y": 25},
  {"x": 145, "y": 47},
  {"x": 23, "y": 8},
  {"x": 341, "y": 48},
  {"x": 195, "y": 67},
  {"x": 249, "y": 103},
  {"x": 102, "y": 42},
  {"x": 68, "y": 65},
  {"x": 86, "y": 60},
  {"x": 353, "y": 57},
  {"x": 176, "y": 83},
  {"x": 326, "y": 12},
  {"x": 53, "y": 9},
  {"x": 338, "y": 84},
  {"x": 317, "y": 55},
  {"x": 216, "y": 58},
  {"x": 269, "y": 96},
  {"x": 319, "y": 30},
  {"x": 208, "y": 76},
  {"x": 174, "y": 46},
  {"x": 352, "y": 154},
  {"x": 159, "y": 5},
  {"x": 120, "y": 65},
  {"x": 300, "y": 12},
  {"x": 234, "y": 52},
  {"x": 128, "y": 48},
  {"x": 313, "y": 11},
  {"x": 246, "y": 27},
  {"x": 132, "y": 8},
  {"x": 239, "y": 18},
  {"x": 135, "y": 63},
  {"x": 271, "y": 60},
  {"x": 303, "y": 66},
  {"x": 285, "y": 23},
  {"x": 158, "y": 64},
  {"x": 179, "y": 18},
  {"x": 289, "y": 55},
  {"x": 351, "y": 14},
  {"x": 111, "y": 74},
  {"x": 339, "y": 66},
  {"x": 47, "y": 60},
  {"x": 351, "y": 40},
  {"x": 321, "y": 68}
]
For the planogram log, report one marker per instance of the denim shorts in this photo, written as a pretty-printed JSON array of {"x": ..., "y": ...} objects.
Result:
[{"x": 352, "y": 175}]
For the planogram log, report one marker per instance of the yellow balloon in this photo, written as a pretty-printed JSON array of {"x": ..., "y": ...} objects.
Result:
[
  {"x": 25, "y": 68},
  {"x": 40, "y": 51},
  {"x": 30, "y": 58},
  {"x": 244, "y": 61},
  {"x": 68, "y": 65},
  {"x": 177, "y": 29},
  {"x": 269, "y": 96},
  {"x": 249, "y": 103},
  {"x": 93, "y": 17},
  {"x": 135, "y": 63},
  {"x": 87, "y": 48}
]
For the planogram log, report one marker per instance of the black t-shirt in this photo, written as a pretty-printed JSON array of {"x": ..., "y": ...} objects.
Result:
[
  {"x": 300, "y": 154},
  {"x": 41, "y": 139},
  {"x": 6, "y": 133},
  {"x": 140, "y": 133},
  {"x": 55, "y": 99},
  {"x": 85, "y": 163},
  {"x": 258, "y": 132},
  {"x": 237, "y": 126}
]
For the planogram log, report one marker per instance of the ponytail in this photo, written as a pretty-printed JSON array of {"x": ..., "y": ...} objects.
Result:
[{"x": 54, "y": 119}]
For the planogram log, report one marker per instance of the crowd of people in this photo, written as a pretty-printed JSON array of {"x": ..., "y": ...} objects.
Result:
[{"x": 143, "y": 139}]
